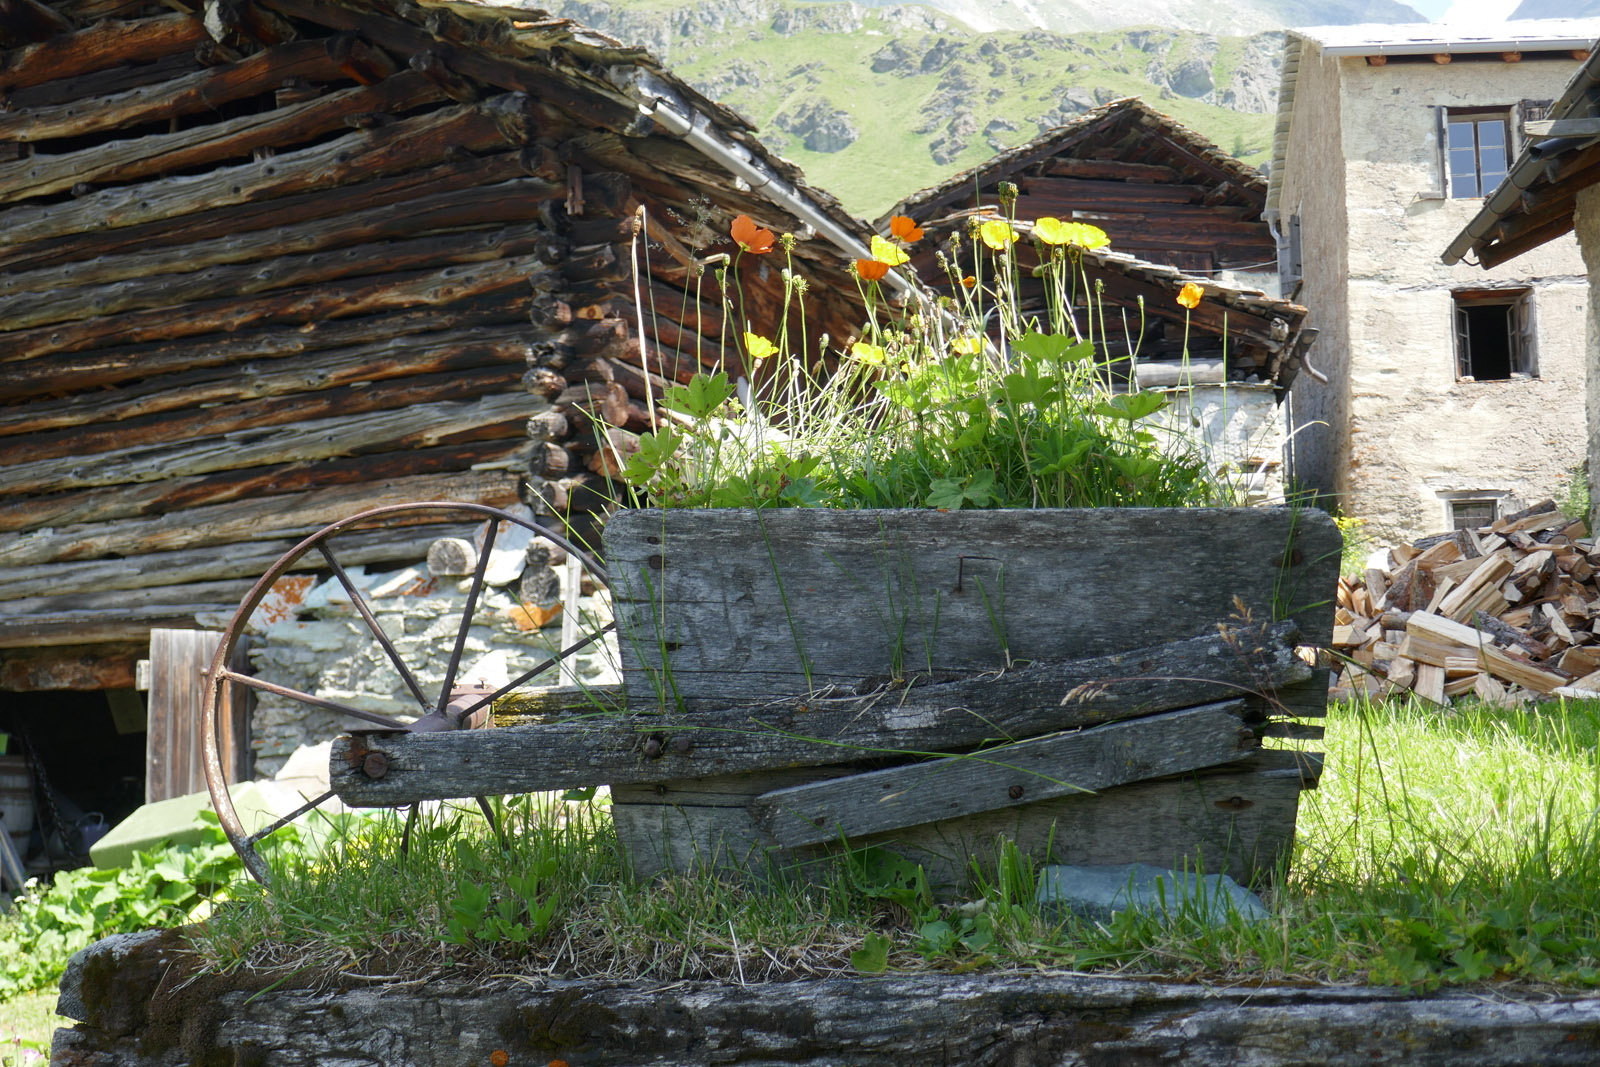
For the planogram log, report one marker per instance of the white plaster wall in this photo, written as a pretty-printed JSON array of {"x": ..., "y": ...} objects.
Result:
[
  {"x": 1313, "y": 188},
  {"x": 1404, "y": 430},
  {"x": 1587, "y": 224}
]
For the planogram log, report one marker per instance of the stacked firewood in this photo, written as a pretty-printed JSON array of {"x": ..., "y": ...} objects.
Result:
[{"x": 1503, "y": 613}]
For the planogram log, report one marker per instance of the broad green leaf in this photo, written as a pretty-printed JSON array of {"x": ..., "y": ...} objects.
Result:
[{"x": 873, "y": 955}]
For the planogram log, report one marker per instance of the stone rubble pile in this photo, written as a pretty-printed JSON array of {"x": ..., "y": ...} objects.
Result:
[{"x": 1504, "y": 613}]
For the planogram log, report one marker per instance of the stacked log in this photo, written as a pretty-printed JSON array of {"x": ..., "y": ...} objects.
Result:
[{"x": 1501, "y": 614}]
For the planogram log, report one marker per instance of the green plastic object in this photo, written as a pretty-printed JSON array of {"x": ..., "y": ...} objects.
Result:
[{"x": 175, "y": 820}]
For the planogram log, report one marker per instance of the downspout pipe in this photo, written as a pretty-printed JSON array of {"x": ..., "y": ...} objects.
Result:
[{"x": 659, "y": 101}]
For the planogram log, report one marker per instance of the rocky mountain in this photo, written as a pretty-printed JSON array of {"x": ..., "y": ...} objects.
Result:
[
  {"x": 1556, "y": 9},
  {"x": 1241, "y": 17},
  {"x": 878, "y": 100}
]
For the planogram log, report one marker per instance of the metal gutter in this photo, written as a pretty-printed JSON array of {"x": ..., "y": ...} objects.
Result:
[{"x": 658, "y": 100}]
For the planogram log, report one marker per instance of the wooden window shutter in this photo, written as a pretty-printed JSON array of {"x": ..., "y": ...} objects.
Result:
[
  {"x": 1522, "y": 336},
  {"x": 1463, "y": 342}
]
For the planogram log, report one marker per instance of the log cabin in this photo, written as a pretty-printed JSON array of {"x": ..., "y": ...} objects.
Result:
[
  {"x": 267, "y": 263},
  {"x": 1177, "y": 209}
]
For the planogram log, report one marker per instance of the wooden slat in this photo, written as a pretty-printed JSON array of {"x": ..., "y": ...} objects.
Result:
[
  {"x": 1005, "y": 776},
  {"x": 820, "y": 597},
  {"x": 943, "y": 717},
  {"x": 357, "y": 296},
  {"x": 424, "y": 425},
  {"x": 213, "y": 143},
  {"x": 105, "y": 44},
  {"x": 359, "y": 156}
]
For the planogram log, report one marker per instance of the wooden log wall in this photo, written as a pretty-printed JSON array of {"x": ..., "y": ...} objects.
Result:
[{"x": 265, "y": 268}]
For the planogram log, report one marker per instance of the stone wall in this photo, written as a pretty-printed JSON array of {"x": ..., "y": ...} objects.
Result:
[{"x": 1241, "y": 428}]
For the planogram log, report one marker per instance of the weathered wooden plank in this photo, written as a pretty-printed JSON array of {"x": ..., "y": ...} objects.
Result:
[
  {"x": 404, "y": 357},
  {"x": 510, "y": 452},
  {"x": 224, "y": 562},
  {"x": 114, "y": 625},
  {"x": 226, "y": 592},
  {"x": 546, "y": 704},
  {"x": 105, "y": 44},
  {"x": 210, "y": 224},
  {"x": 501, "y": 203},
  {"x": 1236, "y": 820},
  {"x": 294, "y": 515},
  {"x": 178, "y": 661},
  {"x": 363, "y": 295},
  {"x": 358, "y": 156},
  {"x": 108, "y": 666},
  {"x": 268, "y": 275},
  {"x": 924, "y": 719},
  {"x": 186, "y": 94},
  {"x": 108, "y": 366},
  {"x": 1004, "y": 776},
  {"x": 195, "y": 424},
  {"x": 794, "y": 601},
  {"x": 428, "y": 424},
  {"x": 212, "y": 143}
]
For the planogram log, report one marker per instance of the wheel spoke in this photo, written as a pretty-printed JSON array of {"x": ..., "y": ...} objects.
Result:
[
  {"x": 544, "y": 665},
  {"x": 360, "y": 603},
  {"x": 314, "y": 701},
  {"x": 272, "y": 828},
  {"x": 466, "y": 615}
]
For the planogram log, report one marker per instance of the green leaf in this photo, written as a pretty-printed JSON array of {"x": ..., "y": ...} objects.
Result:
[
  {"x": 702, "y": 397},
  {"x": 873, "y": 955},
  {"x": 1131, "y": 406},
  {"x": 947, "y": 493},
  {"x": 580, "y": 795},
  {"x": 1052, "y": 347}
]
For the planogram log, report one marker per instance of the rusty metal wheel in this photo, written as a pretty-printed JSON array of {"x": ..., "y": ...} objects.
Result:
[{"x": 450, "y": 708}]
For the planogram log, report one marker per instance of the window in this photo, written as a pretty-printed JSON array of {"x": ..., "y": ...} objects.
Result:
[
  {"x": 1477, "y": 151},
  {"x": 1494, "y": 333},
  {"x": 1472, "y": 512}
]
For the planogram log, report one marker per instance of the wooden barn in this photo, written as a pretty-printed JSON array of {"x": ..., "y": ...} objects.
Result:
[
  {"x": 1176, "y": 208},
  {"x": 266, "y": 263}
]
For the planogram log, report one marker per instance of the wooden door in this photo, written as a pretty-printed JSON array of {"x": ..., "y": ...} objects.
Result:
[{"x": 173, "y": 758}]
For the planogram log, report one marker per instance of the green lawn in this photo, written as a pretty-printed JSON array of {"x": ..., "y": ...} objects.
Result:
[{"x": 26, "y": 1023}]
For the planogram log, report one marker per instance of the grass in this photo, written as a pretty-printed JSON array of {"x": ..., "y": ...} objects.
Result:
[
  {"x": 1442, "y": 848},
  {"x": 26, "y": 1023}
]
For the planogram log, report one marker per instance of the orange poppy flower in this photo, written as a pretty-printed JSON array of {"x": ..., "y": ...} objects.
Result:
[
  {"x": 750, "y": 237},
  {"x": 871, "y": 269},
  {"x": 1189, "y": 296},
  {"x": 903, "y": 228},
  {"x": 969, "y": 281},
  {"x": 499, "y": 1057}
]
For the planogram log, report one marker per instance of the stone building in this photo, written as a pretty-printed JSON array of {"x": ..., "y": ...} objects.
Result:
[
  {"x": 1553, "y": 189},
  {"x": 1445, "y": 394}
]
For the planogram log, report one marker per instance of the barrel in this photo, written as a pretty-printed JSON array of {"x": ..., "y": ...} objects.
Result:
[{"x": 16, "y": 800}]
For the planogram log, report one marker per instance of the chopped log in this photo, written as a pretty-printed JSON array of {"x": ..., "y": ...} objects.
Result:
[
  {"x": 243, "y": 560},
  {"x": 299, "y": 515},
  {"x": 938, "y": 717},
  {"x": 229, "y": 139},
  {"x": 1004, "y": 776},
  {"x": 1479, "y": 591},
  {"x": 428, "y": 424},
  {"x": 105, "y": 44},
  {"x": 358, "y": 156},
  {"x": 71, "y": 667},
  {"x": 1496, "y": 661},
  {"x": 359, "y": 296},
  {"x": 268, "y": 275}
]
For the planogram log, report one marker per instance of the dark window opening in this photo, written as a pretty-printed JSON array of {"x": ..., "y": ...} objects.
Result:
[
  {"x": 1477, "y": 151},
  {"x": 1493, "y": 331},
  {"x": 1472, "y": 513}
]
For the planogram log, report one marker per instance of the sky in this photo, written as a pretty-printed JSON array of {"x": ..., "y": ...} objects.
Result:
[{"x": 1466, "y": 10}]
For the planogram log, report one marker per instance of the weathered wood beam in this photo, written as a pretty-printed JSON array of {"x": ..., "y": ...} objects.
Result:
[
  {"x": 103, "y": 599},
  {"x": 422, "y": 425},
  {"x": 293, "y": 515},
  {"x": 24, "y": 22},
  {"x": 1004, "y": 776},
  {"x": 922, "y": 720},
  {"x": 1110, "y": 169},
  {"x": 1522, "y": 241},
  {"x": 222, "y": 420},
  {"x": 1095, "y": 191},
  {"x": 1583, "y": 127},
  {"x": 229, "y": 139},
  {"x": 358, "y": 296},
  {"x": 402, "y": 357},
  {"x": 81, "y": 250},
  {"x": 359, "y": 156},
  {"x": 268, "y": 275},
  {"x": 224, "y": 562},
  {"x": 105, "y": 44},
  {"x": 451, "y": 211},
  {"x": 71, "y": 667},
  {"x": 509, "y": 452},
  {"x": 187, "y": 94},
  {"x": 92, "y": 627},
  {"x": 510, "y": 302},
  {"x": 105, "y": 82}
]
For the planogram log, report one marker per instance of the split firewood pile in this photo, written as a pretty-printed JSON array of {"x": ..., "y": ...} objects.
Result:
[{"x": 1503, "y": 613}]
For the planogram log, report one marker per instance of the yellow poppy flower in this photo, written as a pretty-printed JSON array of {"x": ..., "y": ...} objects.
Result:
[
  {"x": 872, "y": 355},
  {"x": 887, "y": 252},
  {"x": 967, "y": 345},
  {"x": 758, "y": 347},
  {"x": 998, "y": 234},
  {"x": 1189, "y": 296},
  {"x": 1051, "y": 231}
]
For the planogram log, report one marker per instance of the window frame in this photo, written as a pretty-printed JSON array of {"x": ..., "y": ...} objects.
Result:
[
  {"x": 1521, "y": 335},
  {"x": 1476, "y": 118},
  {"x": 1467, "y": 500}
]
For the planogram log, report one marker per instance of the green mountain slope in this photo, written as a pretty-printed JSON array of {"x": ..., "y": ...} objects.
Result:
[{"x": 875, "y": 103}]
